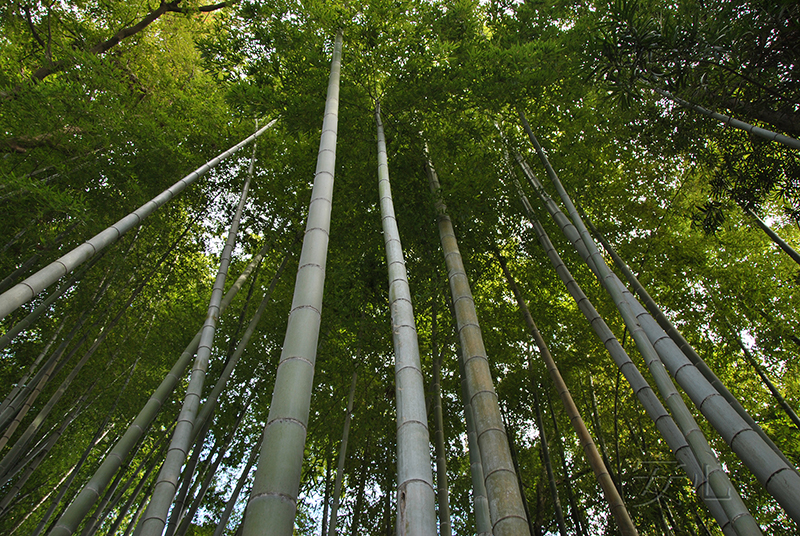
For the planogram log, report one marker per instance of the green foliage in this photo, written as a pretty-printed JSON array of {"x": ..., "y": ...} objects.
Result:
[{"x": 105, "y": 133}]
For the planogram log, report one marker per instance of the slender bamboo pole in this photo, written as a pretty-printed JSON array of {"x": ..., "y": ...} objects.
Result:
[
  {"x": 74, "y": 514},
  {"x": 575, "y": 513},
  {"x": 780, "y": 242},
  {"x": 209, "y": 477},
  {"x": 728, "y": 120},
  {"x": 237, "y": 490},
  {"x": 483, "y": 519},
  {"x": 416, "y": 513},
  {"x": 25, "y": 291},
  {"x": 155, "y": 517},
  {"x": 548, "y": 465},
  {"x": 337, "y": 484},
  {"x": 442, "y": 494},
  {"x": 211, "y": 401},
  {"x": 502, "y": 490},
  {"x": 733, "y": 506},
  {"x": 769, "y": 385},
  {"x": 780, "y": 480},
  {"x": 615, "y": 502},
  {"x": 682, "y": 343},
  {"x": 273, "y": 499},
  {"x": 655, "y": 410}
]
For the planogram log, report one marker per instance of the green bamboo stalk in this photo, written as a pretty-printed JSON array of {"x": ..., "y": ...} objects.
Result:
[
  {"x": 718, "y": 480},
  {"x": 337, "y": 483},
  {"x": 88, "y": 496},
  {"x": 612, "y": 495},
  {"x": 442, "y": 494},
  {"x": 728, "y": 120},
  {"x": 505, "y": 503},
  {"x": 237, "y": 490},
  {"x": 155, "y": 516},
  {"x": 655, "y": 410},
  {"x": 682, "y": 343},
  {"x": 273, "y": 499},
  {"x": 781, "y": 481},
  {"x": 25, "y": 291},
  {"x": 416, "y": 514}
]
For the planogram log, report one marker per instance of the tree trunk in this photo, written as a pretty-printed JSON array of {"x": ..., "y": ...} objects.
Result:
[
  {"x": 327, "y": 497},
  {"x": 99, "y": 434},
  {"x": 505, "y": 502},
  {"x": 251, "y": 460},
  {"x": 212, "y": 469},
  {"x": 155, "y": 517},
  {"x": 777, "y": 240},
  {"x": 770, "y": 386},
  {"x": 663, "y": 421},
  {"x": 483, "y": 519},
  {"x": 278, "y": 474},
  {"x": 735, "y": 123},
  {"x": 416, "y": 514},
  {"x": 360, "y": 494},
  {"x": 575, "y": 512},
  {"x": 604, "y": 478}
]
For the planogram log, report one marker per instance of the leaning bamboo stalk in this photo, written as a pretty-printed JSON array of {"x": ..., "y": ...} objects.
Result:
[
  {"x": 237, "y": 490},
  {"x": 575, "y": 513},
  {"x": 33, "y": 259},
  {"x": 480, "y": 506},
  {"x": 88, "y": 496},
  {"x": 211, "y": 401},
  {"x": 787, "y": 409},
  {"x": 728, "y": 120},
  {"x": 212, "y": 469},
  {"x": 99, "y": 435},
  {"x": 38, "y": 421},
  {"x": 548, "y": 464},
  {"x": 776, "y": 239},
  {"x": 655, "y": 410},
  {"x": 780, "y": 480},
  {"x": 23, "y": 382},
  {"x": 273, "y": 499},
  {"x": 203, "y": 419},
  {"x": 505, "y": 502},
  {"x": 416, "y": 514},
  {"x": 155, "y": 517},
  {"x": 337, "y": 483},
  {"x": 615, "y": 502},
  {"x": 52, "y": 439},
  {"x": 682, "y": 343},
  {"x": 33, "y": 285},
  {"x": 134, "y": 494},
  {"x": 721, "y": 486},
  {"x": 442, "y": 492}
]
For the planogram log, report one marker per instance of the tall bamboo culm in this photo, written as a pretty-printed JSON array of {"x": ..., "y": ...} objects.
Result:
[
  {"x": 416, "y": 514},
  {"x": 502, "y": 490},
  {"x": 615, "y": 502},
  {"x": 33, "y": 285},
  {"x": 273, "y": 498},
  {"x": 155, "y": 516},
  {"x": 90, "y": 493},
  {"x": 779, "y": 479}
]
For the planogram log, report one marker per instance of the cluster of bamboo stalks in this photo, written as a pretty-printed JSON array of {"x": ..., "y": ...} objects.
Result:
[{"x": 498, "y": 501}]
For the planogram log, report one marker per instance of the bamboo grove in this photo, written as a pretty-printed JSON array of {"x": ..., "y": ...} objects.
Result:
[{"x": 542, "y": 254}]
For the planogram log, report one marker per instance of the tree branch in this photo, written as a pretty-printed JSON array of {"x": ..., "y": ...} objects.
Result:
[{"x": 101, "y": 48}]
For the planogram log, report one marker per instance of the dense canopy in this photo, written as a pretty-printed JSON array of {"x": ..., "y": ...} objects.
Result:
[{"x": 104, "y": 105}]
